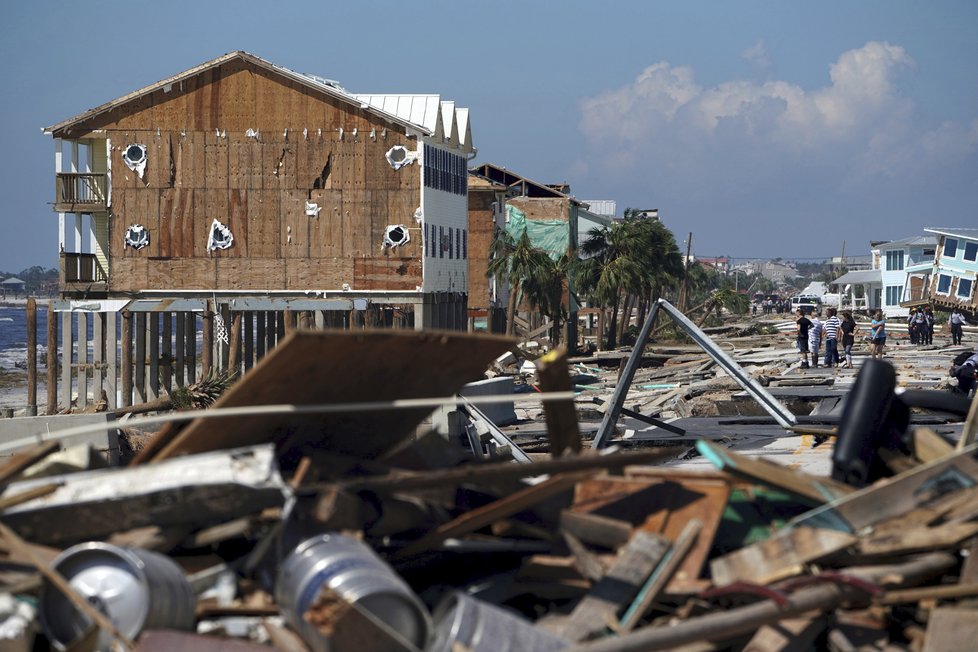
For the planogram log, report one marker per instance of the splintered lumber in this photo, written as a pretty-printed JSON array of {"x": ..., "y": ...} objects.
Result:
[
  {"x": 949, "y": 592},
  {"x": 781, "y": 556},
  {"x": 493, "y": 471},
  {"x": 599, "y": 608},
  {"x": 316, "y": 367},
  {"x": 929, "y": 446},
  {"x": 479, "y": 518},
  {"x": 16, "y": 464},
  {"x": 722, "y": 625},
  {"x": 787, "y": 635},
  {"x": 901, "y": 542},
  {"x": 663, "y": 505},
  {"x": 561, "y": 416},
  {"x": 951, "y": 629},
  {"x": 898, "y": 495},
  {"x": 798, "y": 483},
  {"x": 661, "y": 575},
  {"x": 198, "y": 490},
  {"x": 596, "y": 529}
]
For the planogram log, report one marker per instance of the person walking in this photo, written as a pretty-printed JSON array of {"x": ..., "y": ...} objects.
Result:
[
  {"x": 831, "y": 328},
  {"x": 877, "y": 327},
  {"x": 956, "y": 322},
  {"x": 815, "y": 337},
  {"x": 918, "y": 326},
  {"x": 801, "y": 337},
  {"x": 929, "y": 325},
  {"x": 848, "y": 328}
]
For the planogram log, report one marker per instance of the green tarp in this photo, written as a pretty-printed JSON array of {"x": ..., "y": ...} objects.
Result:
[{"x": 550, "y": 235}]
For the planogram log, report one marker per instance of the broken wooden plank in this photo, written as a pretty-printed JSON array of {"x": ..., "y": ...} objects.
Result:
[
  {"x": 494, "y": 471},
  {"x": 20, "y": 462},
  {"x": 907, "y": 541},
  {"x": 951, "y": 629},
  {"x": 197, "y": 490},
  {"x": 599, "y": 609},
  {"x": 788, "y": 635},
  {"x": 585, "y": 562},
  {"x": 948, "y": 592},
  {"x": 596, "y": 529},
  {"x": 783, "y": 555},
  {"x": 798, "y": 483},
  {"x": 915, "y": 488},
  {"x": 561, "y": 416},
  {"x": 661, "y": 575},
  {"x": 662, "y": 505},
  {"x": 478, "y": 518},
  {"x": 313, "y": 367},
  {"x": 929, "y": 446}
]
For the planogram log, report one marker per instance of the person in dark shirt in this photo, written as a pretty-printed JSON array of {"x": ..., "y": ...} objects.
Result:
[
  {"x": 804, "y": 324},
  {"x": 848, "y": 329}
]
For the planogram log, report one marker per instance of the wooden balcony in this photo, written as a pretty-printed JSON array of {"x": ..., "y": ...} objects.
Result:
[
  {"x": 80, "y": 193},
  {"x": 82, "y": 272}
]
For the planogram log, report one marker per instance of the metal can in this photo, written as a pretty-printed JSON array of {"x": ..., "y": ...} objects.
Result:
[
  {"x": 136, "y": 589},
  {"x": 354, "y": 571},
  {"x": 482, "y": 627}
]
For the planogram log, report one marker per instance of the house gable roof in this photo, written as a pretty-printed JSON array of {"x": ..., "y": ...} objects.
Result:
[
  {"x": 421, "y": 113},
  {"x": 954, "y": 232}
]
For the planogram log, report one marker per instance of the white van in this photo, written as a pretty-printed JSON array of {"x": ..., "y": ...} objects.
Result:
[{"x": 806, "y": 302}]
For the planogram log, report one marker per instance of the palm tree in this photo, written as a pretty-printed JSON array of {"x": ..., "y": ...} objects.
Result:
[
  {"x": 544, "y": 289},
  {"x": 521, "y": 265},
  {"x": 633, "y": 258}
]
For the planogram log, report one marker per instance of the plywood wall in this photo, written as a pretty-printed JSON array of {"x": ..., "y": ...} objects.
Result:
[
  {"x": 482, "y": 231},
  {"x": 203, "y": 166}
]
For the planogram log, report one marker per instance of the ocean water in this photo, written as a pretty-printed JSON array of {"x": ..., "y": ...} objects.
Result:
[{"x": 13, "y": 337}]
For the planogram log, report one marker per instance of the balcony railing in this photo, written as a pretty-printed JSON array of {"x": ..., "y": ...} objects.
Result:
[
  {"x": 81, "y": 269},
  {"x": 80, "y": 192}
]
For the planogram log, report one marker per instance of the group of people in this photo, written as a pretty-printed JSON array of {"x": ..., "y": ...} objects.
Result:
[
  {"x": 771, "y": 306},
  {"x": 812, "y": 331},
  {"x": 920, "y": 326}
]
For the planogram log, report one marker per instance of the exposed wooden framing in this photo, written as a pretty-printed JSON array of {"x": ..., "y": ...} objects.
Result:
[
  {"x": 32, "y": 355},
  {"x": 66, "y": 359},
  {"x": 98, "y": 354},
  {"x": 234, "y": 345},
  {"x": 207, "y": 339},
  {"x": 82, "y": 359},
  {"x": 153, "y": 352},
  {"x": 52, "y": 363},
  {"x": 111, "y": 332},
  {"x": 179, "y": 346},
  {"x": 127, "y": 360},
  {"x": 260, "y": 335},
  {"x": 139, "y": 377},
  {"x": 190, "y": 358},
  {"x": 249, "y": 340},
  {"x": 166, "y": 352}
]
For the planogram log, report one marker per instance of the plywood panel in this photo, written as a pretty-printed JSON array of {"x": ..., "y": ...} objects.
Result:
[
  {"x": 263, "y": 224},
  {"x": 128, "y": 275},
  {"x": 253, "y": 274},
  {"x": 238, "y": 98},
  {"x": 216, "y": 161},
  {"x": 294, "y": 225},
  {"x": 358, "y": 236},
  {"x": 122, "y": 177},
  {"x": 402, "y": 205},
  {"x": 386, "y": 273},
  {"x": 238, "y": 222},
  {"x": 326, "y": 230},
  {"x": 202, "y": 224},
  {"x": 318, "y": 273},
  {"x": 269, "y": 103},
  {"x": 181, "y": 273},
  {"x": 118, "y": 224}
]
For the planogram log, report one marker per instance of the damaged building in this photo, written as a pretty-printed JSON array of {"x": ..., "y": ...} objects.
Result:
[{"x": 252, "y": 194}]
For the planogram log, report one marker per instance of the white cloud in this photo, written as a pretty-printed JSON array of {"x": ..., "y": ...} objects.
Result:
[
  {"x": 858, "y": 125},
  {"x": 757, "y": 54}
]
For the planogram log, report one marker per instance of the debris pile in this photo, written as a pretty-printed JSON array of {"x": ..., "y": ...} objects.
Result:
[{"x": 320, "y": 505}]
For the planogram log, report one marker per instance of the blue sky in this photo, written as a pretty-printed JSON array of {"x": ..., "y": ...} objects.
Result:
[{"x": 767, "y": 129}]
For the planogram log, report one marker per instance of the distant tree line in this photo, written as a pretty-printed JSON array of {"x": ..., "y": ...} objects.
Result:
[{"x": 37, "y": 280}]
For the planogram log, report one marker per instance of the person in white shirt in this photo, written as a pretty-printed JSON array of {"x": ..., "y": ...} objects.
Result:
[
  {"x": 956, "y": 321},
  {"x": 815, "y": 337}
]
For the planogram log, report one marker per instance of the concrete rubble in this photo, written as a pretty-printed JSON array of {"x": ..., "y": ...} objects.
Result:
[{"x": 435, "y": 492}]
